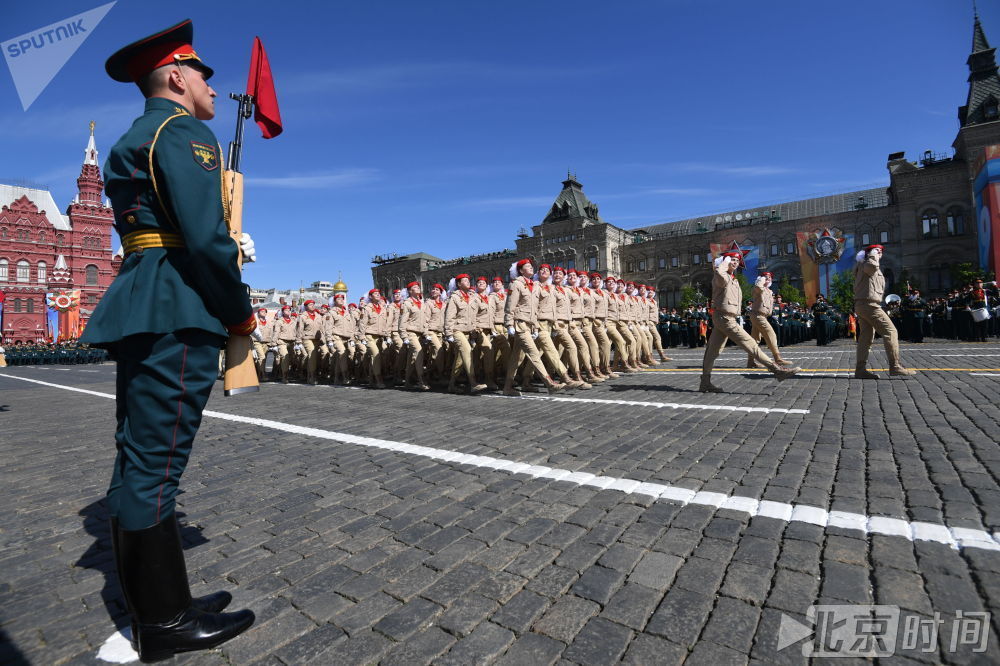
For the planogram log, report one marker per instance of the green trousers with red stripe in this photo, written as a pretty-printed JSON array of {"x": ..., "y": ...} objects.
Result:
[{"x": 163, "y": 384}]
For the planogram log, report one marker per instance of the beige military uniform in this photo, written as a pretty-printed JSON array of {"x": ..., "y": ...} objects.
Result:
[
  {"x": 520, "y": 314},
  {"x": 761, "y": 306},
  {"x": 283, "y": 338},
  {"x": 398, "y": 349},
  {"x": 459, "y": 324},
  {"x": 412, "y": 327},
  {"x": 576, "y": 326},
  {"x": 339, "y": 332},
  {"x": 869, "y": 287},
  {"x": 309, "y": 334},
  {"x": 500, "y": 341},
  {"x": 727, "y": 301},
  {"x": 374, "y": 328},
  {"x": 483, "y": 354},
  {"x": 545, "y": 295},
  {"x": 618, "y": 331},
  {"x": 563, "y": 337},
  {"x": 601, "y": 329},
  {"x": 260, "y": 347}
]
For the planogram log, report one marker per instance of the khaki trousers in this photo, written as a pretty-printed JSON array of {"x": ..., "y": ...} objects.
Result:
[
  {"x": 587, "y": 327},
  {"x": 567, "y": 347},
  {"x": 400, "y": 354},
  {"x": 340, "y": 355},
  {"x": 484, "y": 356},
  {"x": 619, "y": 342},
  {"x": 582, "y": 344},
  {"x": 548, "y": 347},
  {"x": 260, "y": 362},
  {"x": 501, "y": 346},
  {"x": 434, "y": 354},
  {"x": 654, "y": 333},
  {"x": 873, "y": 318},
  {"x": 463, "y": 358},
  {"x": 645, "y": 340},
  {"x": 415, "y": 358},
  {"x": 376, "y": 345},
  {"x": 285, "y": 353},
  {"x": 313, "y": 346},
  {"x": 601, "y": 331},
  {"x": 725, "y": 327},
  {"x": 761, "y": 328},
  {"x": 524, "y": 345}
]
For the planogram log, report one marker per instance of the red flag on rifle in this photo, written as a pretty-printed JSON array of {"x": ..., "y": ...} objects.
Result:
[{"x": 261, "y": 86}]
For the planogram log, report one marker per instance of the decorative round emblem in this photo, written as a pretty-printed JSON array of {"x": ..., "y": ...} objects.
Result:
[
  {"x": 63, "y": 301},
  {"x": 825, "y": 246}
]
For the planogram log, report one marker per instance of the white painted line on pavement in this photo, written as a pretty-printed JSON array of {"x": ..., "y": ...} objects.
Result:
[
  {"x": 985, "y": 374},
  {"x": 956, "y": 537},
  {"x": 976, "y": 355},
  {"x": 668, "y": 405}
]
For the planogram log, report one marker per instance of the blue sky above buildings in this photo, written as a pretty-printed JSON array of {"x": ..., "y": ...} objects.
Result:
[{"x": 444, "y": 127}]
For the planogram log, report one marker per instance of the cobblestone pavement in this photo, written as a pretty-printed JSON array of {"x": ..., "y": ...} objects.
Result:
[{"x": 407, "y": 528}]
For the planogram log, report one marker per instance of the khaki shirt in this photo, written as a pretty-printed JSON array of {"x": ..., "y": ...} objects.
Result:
[
  {"x": 522, "y": 302},
  {"x": 546, "y": 295},
  {"x": 340, "y": 321},
  {"x": 614, "y": 306},
  {"x": 498, "y": 301},
  {"x": 601, "y": 299},
  {"x": 394, "y": 311},
  {"x": 869, "y": 283},
  {"x": 654, "y": 312},
  {"x": 484, "y": 311},
  {"x": 460, "y": 313},
  {"x": 266, "y": 328},
  {"x": 374, "y": 320},
  {"x": 562, "y": 302},
  {"x": 575, "y": 302},
  {"x": 283, "y": 330},
  {"x": 763, "y": 301},
  {"x": 412, "y": 318},
  {"x": 587, "y": 298},
  {"x": 434, "y": 315},
  {"x": 727, "y": 297},
  {"x": 309, "y": 328}
]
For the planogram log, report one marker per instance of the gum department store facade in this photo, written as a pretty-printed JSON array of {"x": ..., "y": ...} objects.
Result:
[{"x": 926, "y": 218}]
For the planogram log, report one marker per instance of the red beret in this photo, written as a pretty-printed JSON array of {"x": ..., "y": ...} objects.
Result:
[
  {"x": 595, "y": 274},
  {"x": 482, "y": 277},
  {"x": 309, "y": 301},
  {"x": 497, "y": 278},
  {"x": 413, "y": 284},
  {"x": 374, "y": 291},
  {"x": 462, "y": 275},
  {"x": 438, "y": 285},
  {"x": 874, "y": 247},
  {"x": 559, "y": 269},
  {"x": 522, "y": 262},
  {"x": 545, "y": 266}
]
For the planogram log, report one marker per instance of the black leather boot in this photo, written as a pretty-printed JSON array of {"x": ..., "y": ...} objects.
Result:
[
  {"x": 154, "y": 580},
  {"x": 210, "y": 603}
]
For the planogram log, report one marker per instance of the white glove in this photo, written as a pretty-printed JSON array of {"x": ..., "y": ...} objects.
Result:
[
  {"x": 630, "y": 327},
  {"x": 493, "y": 335},
  {"x": 386, "y": 338},
  {"x": 350, "y": 343},
  {"x": 257, "y": 335},
  {"x": 299, "y": 348},
  {"x": 451, "y": 338},
  {"x": 511, "y": 330},
  {"x": 247, "y": 247},
  {"x": 761, "y": 281},
  {"x": 534, "y": 336},
  {"x": 272, "y": 348},
  {"x": 332, "y": 346},
  {"x": 406, "y": 341},
  {"x": 255, "y": 356},
  {"x": 428, "y": 338},
  {"x": 555, "y": 332}
]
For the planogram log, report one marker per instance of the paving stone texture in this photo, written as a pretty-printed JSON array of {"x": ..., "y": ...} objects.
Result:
[{"x": 357, "y": 555}]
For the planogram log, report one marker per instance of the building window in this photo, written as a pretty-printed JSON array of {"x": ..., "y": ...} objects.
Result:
[
  {"x": 675, "y": 261},
  {"x": 22, "y": 271},
  {"x": 939, "y": 277},
  {"x": 91, "y": 298},
  {"x": 31, "y": 305},
  {"x": 791, "y": 248},
  {"x": 696, "y": 259},
  {"x": 883, "y": 237},
  {"x": 60, "y": 239},
  {"x": 775, "y": 249},
  {"x": 630, "y": 267},
  {"x": 570, "y": 263},
  {"x": 662, "y": 262},
  {"x": 42, "y": 271},
  {"x": 642, "y": 265},
  {"x": 17, "y": 305},
  {"x": 41, "y": 237},
  {"x": 990, "y": 108},
  {"x": 866, "y": 239},
  {"x": 930, "y": 224},
  {"x": 91, "y": 275},
  {"x": 956, "y": 222},
  {"x": 708, "y": 257},
  {"x": 3, "y": 270},
  {"x": 21, "y": 235},
  {"x": 591, "y": 264},
  {"x": 3, "y": 233}
]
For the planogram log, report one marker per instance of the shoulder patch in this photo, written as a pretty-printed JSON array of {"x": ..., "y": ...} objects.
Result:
[{"x": 205, "y": 155}]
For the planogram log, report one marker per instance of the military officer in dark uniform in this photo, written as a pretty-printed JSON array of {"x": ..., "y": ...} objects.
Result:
[
  {"x": 177, "y": 296},
  {"x": 914, "y": 314},
  {"x": 822, "y": 322}
]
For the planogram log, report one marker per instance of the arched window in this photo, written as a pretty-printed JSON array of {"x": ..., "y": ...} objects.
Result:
[
  {"x": 31, "y": 305},
  {"x": 990, "y": 110},
  {"x": 938, "y": 277},
  {"x": 21, "y": 235},
  {"x": 3, "y": 270},
  {"x": 3, "y": 233},
  {"x": 91, "y": 275},
  {"x": 956, "y": 222},
  {"x": 930, "y": 224},
  {"x": 22, "y": 271},
  {"x": 42, "y": 271},
  {"x": 60, "y": 239},
  {"x": 41, "y": 236}
]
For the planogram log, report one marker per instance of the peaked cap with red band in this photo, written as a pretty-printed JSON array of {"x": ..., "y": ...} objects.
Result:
[{"x": 173, "y": 45}]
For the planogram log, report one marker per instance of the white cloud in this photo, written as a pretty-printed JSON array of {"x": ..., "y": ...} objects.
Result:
[
  {"x": 753, "y": 170},
  {"x": 317, "y": 181},
  {"x": 508, "y": 202}
]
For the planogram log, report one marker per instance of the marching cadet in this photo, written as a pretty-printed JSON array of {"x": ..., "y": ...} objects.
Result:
[
  {"x": 283, "y": 340},
  {"x": 338, "y": 332},
  {"x": 521, "y": 320},
  {"x": 545, "y": 294},
  {"x": 412, "y": 327},
  {"x": 374, "y": 326},
  {"x": 615, "y": 327},
  {"x": 309, "y": 338},
  {"x": 576, "y": 328},
  {"x": 460, "y": 317},
  {"x": 726, "y": 300},
  {"x": 587, "y": 324},
  {"x": 261, "y": 340},
  {"x": 176, "y": 297},
  {"x": 653, "y": 322},
  {"x": 761, "y": 307},
  {"x": 562, "y": 331},
  {"x": 501, "y": 342},
  {"x": 434, "y": 356},
  {"x": 869, "y": 287},
  {"x": 600, "y": 327},
  {"x": 484, "y": 352},
  {"x": 398, "y": 349},
  {"x": 640, "y": 328},
  {"x": 632, "y": 318}
]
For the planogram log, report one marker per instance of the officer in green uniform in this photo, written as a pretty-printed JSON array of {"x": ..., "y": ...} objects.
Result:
[
  {"x": 164, "y": 318},
  {"x": 821, "y": 322}
]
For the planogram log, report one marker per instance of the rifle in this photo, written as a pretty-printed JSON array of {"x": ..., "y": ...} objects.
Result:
[{"x": 241, "y": 373}]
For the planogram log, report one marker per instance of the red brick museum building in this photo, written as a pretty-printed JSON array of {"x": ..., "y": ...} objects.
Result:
[{"x": 42, "y": 250}]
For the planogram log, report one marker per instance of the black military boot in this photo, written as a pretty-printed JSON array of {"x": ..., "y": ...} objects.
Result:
[
  {"x": 154, "y": 580},
  {"x": 210, "y": 603}
]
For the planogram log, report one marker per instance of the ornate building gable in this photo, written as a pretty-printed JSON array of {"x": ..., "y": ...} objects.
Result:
[{"x": 981, "y": 106}]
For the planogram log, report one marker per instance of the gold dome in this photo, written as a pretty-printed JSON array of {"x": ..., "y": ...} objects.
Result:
[{"x": 339, "y": 285}]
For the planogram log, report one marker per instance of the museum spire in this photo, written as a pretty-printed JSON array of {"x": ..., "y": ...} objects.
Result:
[{"x": 982, "y": 103}]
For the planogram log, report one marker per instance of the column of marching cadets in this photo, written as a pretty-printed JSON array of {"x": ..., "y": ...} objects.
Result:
[{"x": 564, "y": 328}]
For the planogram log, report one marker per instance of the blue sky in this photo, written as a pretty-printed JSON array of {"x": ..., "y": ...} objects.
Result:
[{"x": 445, "y": 126}]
